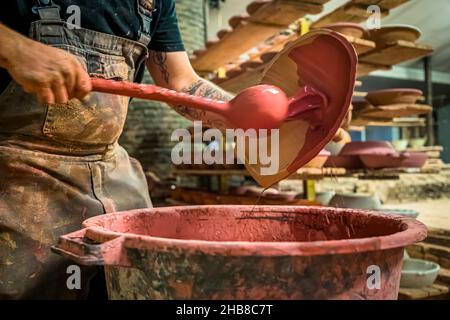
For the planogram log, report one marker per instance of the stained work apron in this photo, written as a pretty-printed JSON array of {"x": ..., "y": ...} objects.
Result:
[{"x": 61, "y": 163}]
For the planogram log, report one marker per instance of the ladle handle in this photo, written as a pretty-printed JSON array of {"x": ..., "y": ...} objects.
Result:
[{"x": 152, "y": 92}]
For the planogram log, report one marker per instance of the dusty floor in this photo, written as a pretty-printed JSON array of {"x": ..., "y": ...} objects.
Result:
[{"x": 433, "y": 213}]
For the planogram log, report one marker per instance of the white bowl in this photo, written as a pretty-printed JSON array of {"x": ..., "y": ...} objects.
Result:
[
  {"x": 356, "y": 201},
  {"x": 417, "y": 273}
]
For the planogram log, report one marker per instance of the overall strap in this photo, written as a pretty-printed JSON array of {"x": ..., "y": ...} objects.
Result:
[
  {"x": 145, "y": 9},
  {"x": 47, "y": 10}
]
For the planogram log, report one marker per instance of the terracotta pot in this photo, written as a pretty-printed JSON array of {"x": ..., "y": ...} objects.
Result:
[
  {"x": 393, "y": 96},
  {"x": 244, "y": 252},
  {"x": 222, "y": 33},
  {"x": 251, "y": 65},
  {"x": 256, "y": 5},
  {"x": 346, "y": 162},
  {"x": 234, "y": 73},
  {"x": 210, "y": 43},
  {"x": 349, "y": 29},
  {"x": 393, "y": 33},
  {"x": 357, "y": 148},
  {"x": 235, "y": 21},
  {"x": 360, "y": 105},
  {"x": 268, "y": 56},
  {"x": 199, "y": 52}
]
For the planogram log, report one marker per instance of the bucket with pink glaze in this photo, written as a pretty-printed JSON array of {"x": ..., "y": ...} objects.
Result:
[{"x": 242, "y": 252}]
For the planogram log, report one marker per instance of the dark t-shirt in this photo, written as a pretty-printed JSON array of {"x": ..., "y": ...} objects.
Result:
[{"x": 116, "y": 17}]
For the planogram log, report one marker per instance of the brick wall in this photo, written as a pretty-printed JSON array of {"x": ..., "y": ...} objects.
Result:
[{"x": 150, "y": 124}]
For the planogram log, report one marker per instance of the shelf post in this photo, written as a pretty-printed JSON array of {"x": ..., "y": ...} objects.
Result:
[{"x": 429, "y": 100}]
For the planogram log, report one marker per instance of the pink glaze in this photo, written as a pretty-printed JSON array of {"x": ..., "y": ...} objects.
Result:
[{"x": 329, "y": 86}]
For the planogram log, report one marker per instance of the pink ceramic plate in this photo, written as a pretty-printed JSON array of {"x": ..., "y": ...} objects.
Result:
[
  {"x": 357, "y": 148},
  {"x": 380, "y": 161},
  {"x": 346, "y": 162}
]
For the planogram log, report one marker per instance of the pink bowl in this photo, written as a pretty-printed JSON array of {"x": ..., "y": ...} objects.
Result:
[
  {"x": 347, "y": 162},
  {"x": 414, "y": 159},
  {"x": 382, "y": 161},
  {"x": 367, "y": 147}
]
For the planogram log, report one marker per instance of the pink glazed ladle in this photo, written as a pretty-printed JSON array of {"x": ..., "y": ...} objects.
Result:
[{"x": 258, "y": 107}]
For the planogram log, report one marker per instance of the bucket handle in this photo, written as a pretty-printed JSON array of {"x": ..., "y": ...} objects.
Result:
[{"x": 78, "y": 247}]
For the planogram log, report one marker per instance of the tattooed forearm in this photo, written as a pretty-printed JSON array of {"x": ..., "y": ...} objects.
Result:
[
  {"x": 159, "y": 59},
  {"x": 209, "y": 90},
  {"x": 206, "y": 89}
]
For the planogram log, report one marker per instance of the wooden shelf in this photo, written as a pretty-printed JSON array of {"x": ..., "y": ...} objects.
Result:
[
  {"x": 397, "y": 52},
  {"x": 284, "y": 12},
  {"x": 396, "y": 122},
  {"x": 305, "y": 173},
  {"x": 349, "y": 12},
  {"x": 261, "y": 25},
  {"x": 243, "y": 81},
  {"x": 243, "y": 38},
  {"x": 317, "y": 174},
  {"x": 361, "y": 45},
  {"x": 432, "y": 292},
  {"x": 393, "y": 111},
  {"x": 365, "y": 68}
]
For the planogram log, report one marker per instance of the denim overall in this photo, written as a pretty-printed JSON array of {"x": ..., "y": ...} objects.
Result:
[{"x": 61, "y": 163}]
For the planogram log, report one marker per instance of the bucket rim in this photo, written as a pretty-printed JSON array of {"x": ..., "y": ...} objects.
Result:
[{"x": 413, "y": 231}]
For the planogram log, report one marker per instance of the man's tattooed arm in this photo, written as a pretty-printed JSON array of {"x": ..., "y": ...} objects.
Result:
[
  {"x": 173, "y": 70},
  {"x": 205, "y": 89},
  {"x": 159, "y": 59}
]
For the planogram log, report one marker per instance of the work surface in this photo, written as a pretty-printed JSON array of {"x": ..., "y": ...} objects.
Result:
[{"x": 433, "y": 213}]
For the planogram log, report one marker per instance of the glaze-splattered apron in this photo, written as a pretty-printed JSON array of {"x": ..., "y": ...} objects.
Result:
[{"x": 61, "y": 163}]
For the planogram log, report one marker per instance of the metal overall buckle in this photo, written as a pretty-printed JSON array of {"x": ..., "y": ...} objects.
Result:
[
  {"x": 146, "y": 19},
  {"x": 47, "y": 10}
]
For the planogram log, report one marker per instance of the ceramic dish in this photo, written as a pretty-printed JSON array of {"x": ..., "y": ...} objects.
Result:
[
  {"x": 346, "y": 162},
  {"x": 417, "y": 273},
  {"x": 392, "y": 33},
  {"x": 393, "y": 96},
  {"x": 256, "y": 5},
  {"x": 355, "y": 201},
  {"x": 401, "y": 212},
  {"x": 358, "y": 148},
  {"x": 349, "y": 29},
  {"x": 235, "y": 21}
]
